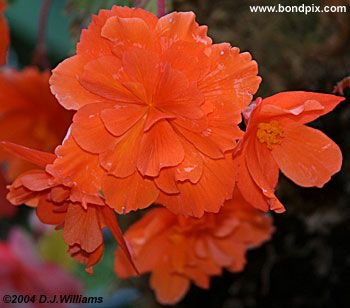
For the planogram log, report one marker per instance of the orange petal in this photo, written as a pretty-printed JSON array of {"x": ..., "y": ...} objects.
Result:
[
  {"x": 233, "y": 76},
  {"x": 82, "y": 227},
  {"x": 121, "y": 118},
  {"x": 160, "y": 147},
  {"x": 120, "y": 160},
  {"x": 142, "y": 71},
  {"x": 104, "y": 78},
  {"x": 111, "y": 221},
  {"x": 261, "y": 166},
  {"x": 154, "y": 116},
  {"x": 36, "y": 180},
  {"x": 49, "y": 213},
  {"x": 307, "y": 156},
  {"x": 148, "y": 239},
  {"x": 181, "y": 27},
  {"x": 36, "y": 157},
  {"x": 90, "y": 259},
  {"x": 251, "y": 192},
  {"x": 129, "y": 194},
  {"x": 66, "y": 86},
  {"x": 185, "y": 103},
  {"x": 81, "y": 167},
  {"x": 305, "y": 106},
  {"x": 166, "y": 181},
  {"x": 91, "y": 40},
  {"x": 202, "y": 142},
  {"x": 132, "y": 31},
  {"x": 208, "y": 195},
  {"x": 169, "y": 288},
  {"x": 89, "y": 131},
  {"x": 191, "y": 167}
]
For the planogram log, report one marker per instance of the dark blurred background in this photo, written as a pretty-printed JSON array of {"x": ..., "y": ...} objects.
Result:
[{"x": 307, "y": 263}]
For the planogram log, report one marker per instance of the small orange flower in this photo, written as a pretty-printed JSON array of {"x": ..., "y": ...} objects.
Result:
[
  {"x": 4, "y": 34},
  {"x": 59, "y": 202},
  {"x": 158, "y": 104},
  {"x": 277, "y": 139},
  {"x": 178, "y": 250},
  {"x": 30, "y": 115}
]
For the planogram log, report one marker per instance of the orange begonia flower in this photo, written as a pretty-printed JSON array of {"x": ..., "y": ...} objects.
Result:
[
  {"x": 29, "y": 115},
  {"x": 58, "y": 201},
  {"x": 178, "y": 250},
  {"x": 4, "y": 34},
  {"x": 158, "y": 105},
  {"x": 277, "y": 139}
]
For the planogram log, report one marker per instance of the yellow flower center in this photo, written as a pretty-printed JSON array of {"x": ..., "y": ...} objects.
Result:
[{"x": 270, "y": 133}]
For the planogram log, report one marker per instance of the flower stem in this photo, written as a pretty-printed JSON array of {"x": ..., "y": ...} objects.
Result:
[
  {"x": 40, "y": 57},
  {"x": 161, "y": 8}
]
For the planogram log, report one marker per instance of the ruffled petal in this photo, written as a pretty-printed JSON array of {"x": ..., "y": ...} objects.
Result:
[
  {"x": 307, "y": 156},
  {"x": 185, "y": 103},
  {"x": 160, "y": 147},
  {"x": 129, "y": 194},
  {"x": 208, "y": 195},
  {"x": 82, "y": 227},
  {"x": 121, "y": 118},
  {"x": 132, "y": 31},
  {"x": 251, "y": 192},
  {"x": 66, "y": 86},
  {"x": 181, "y": 27},
  {"x": 120, "y": 160},
  {"x": 302, "y": 106},
  {"x": 81, "y": 167},
  {"x": 166, "y": 181},
  {"x": 169, "y": 288},
  {"x": 191, "y": 168},
  {"x": 89, "y": 131},
  {"x": 103, "y": 78},
  {"x": 49, "y": 213},
  {"x": 91, "y": 40},
  {"x": 232, "y": 77}
]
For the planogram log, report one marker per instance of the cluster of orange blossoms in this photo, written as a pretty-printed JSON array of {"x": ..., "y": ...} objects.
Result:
[{"x": 157, "y": 108}]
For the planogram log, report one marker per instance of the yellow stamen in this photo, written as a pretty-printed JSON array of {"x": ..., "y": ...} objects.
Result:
[{"x": 270, "y": 133}]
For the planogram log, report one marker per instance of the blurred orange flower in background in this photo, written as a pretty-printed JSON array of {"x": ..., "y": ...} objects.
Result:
[
  {"x": 158, "y": 106},
  {"x": 178, "y": 250},
  {"x": 29, "y": 115},
  {"x": 277, "y": 139},
  {"x": 59, "y": 202},
  {"x": 4, "y": 34}
]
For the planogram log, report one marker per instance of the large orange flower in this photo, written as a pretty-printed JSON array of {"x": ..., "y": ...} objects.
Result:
[
  {"x": 178, "y": 250},
  {"x": 158, "y": 104},
  {"x": 277, "y": 139},
  {"x": 59, "y": 202},
  {"x": 4, "y": 34},
  {"x": 29, "y": 115}
]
